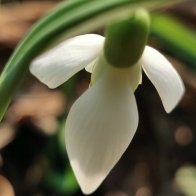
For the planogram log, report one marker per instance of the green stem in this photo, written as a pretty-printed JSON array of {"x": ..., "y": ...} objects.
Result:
[{"x": 176, "y": 37}]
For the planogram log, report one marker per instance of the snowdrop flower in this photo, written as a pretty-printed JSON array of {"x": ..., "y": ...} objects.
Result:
[{"x": 103, "y": 121}]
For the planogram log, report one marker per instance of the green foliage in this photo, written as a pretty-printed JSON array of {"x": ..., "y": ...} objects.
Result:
[
  {"x": 58, "y": 177},
  {"x": 61, "y": 182},
  {"x": 176, "y": 37}
]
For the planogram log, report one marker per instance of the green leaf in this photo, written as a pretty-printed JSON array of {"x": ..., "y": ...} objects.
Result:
[
  {"x": 176, "y": 37},
  {"x": 61, "y": 183},
  {"x": 67, "y": 20}
]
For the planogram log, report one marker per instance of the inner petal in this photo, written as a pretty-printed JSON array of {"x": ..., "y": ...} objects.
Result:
[{"x": 133, "y": 73}]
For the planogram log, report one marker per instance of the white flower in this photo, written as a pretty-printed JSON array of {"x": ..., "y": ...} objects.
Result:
[{"x": 103, "y": 121}]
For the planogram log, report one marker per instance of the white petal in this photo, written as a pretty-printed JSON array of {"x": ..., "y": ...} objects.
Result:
[
  {"x": 99, "y": 128},
  {"x": 58, "y": 64},
  {"x": 135, "y": 75},
  {"x": 164, "y": 77}
]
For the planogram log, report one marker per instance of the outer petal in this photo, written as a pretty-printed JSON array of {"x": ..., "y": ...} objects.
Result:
[
  {"x": 57, "y": 65},
  {"x": 164, "y": 77},
  {"x": 99, "y": 128}
]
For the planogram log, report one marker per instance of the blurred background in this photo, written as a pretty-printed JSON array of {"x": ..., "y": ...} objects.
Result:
[{"x": 161, "y": 159}]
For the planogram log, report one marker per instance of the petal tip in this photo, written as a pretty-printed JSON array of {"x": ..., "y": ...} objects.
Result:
[
  {"x": 33, "y": 68},
  {"x": 87, "y": 183},
  {"x": 170, "y": 107}
]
